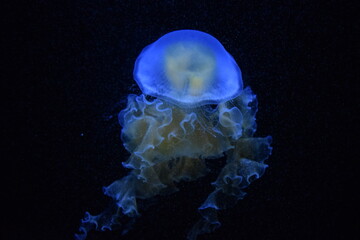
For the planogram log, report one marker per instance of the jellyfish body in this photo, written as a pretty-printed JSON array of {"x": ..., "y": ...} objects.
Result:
[
  {"x": 171, "y": 137},
  {"x": 188, "y": 68}
]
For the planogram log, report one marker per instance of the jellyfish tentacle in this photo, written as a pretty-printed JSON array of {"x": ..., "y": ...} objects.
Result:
[
  {"x": 236, "y": 175},
  {"x": 245, "y": 163}
]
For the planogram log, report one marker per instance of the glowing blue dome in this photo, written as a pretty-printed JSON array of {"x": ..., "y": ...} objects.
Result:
[{"x": 188, "y": 68}]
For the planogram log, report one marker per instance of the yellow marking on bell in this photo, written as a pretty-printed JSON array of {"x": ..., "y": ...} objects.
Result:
[
  {"x": 196, "y": 85},
  {"x": 189, "y": 68}
]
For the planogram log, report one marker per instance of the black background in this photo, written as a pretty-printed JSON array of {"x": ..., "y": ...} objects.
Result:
[{"x": 74, "y": 63}]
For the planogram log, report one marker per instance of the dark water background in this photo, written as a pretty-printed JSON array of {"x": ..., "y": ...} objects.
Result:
[{"x": 74, "y": 70}]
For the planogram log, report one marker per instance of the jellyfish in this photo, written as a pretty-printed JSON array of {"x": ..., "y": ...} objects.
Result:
[{"x": 193, "y": 109}]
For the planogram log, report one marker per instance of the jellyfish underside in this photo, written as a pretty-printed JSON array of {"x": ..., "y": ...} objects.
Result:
[
  {"x": 170, "y": 141},
  {"x": 169, "y": 144}
]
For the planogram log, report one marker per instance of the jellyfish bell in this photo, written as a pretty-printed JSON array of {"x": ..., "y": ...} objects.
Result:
[{"x": 188, "y": 68}]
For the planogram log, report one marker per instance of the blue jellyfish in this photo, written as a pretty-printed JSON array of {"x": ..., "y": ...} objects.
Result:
[{"x": 193, "y": 109}]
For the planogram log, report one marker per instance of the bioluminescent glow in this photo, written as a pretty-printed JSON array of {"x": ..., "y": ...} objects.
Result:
[{"x": 171, "y": 137}]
